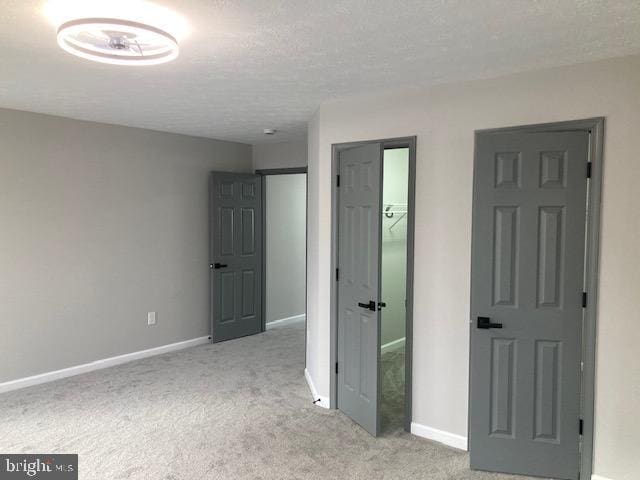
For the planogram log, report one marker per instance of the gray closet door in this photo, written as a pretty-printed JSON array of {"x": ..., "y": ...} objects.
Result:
[
  {"x": 527, "y": 278},
  {"x": 359, "y": 204},
  {"x": 235, "y": 255}
]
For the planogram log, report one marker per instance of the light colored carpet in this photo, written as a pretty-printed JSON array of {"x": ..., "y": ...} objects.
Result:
[
  {"x": 236, "y": 410},
  {"x": 392, "y": 398}
]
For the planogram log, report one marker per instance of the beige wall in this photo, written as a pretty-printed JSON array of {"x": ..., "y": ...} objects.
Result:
[
  {"x": 444, "y": 119},
  {"x": 100, "y": 224},
  {"x": 318, "y": 327},
  {"x": 280, "y": 155}
]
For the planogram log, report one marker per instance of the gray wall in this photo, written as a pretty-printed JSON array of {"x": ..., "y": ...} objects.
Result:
[
  {"x": 286, "y": 223},
  {"x": 280, "y": 155},
  {"x": 394, "y": 245},
  {"x": 99, "y": 225}
]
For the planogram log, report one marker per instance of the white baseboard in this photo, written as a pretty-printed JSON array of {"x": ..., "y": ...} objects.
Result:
[
  {"x": 599, "y": 477},
  {"x": 447, "y": 438},
  {"x": 98, "y": 364},
  {"x": 323, "y": 401},
  {"x": 281, "y": 321},
  {"x": 391, "y": 346}
]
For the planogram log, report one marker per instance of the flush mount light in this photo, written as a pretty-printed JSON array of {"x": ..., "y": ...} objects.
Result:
[{"x": 115, "y": 41}]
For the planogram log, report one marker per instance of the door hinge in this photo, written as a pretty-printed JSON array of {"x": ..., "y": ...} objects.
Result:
[
  {"x": 588, "y": 169},
  {"x": 336, "y": 368},
  {"x": 337, "y": 180},
  {"x": 584, "y": 299},
  {"x": 337, "y": 274},
  {"x": 581, "y": 426}
]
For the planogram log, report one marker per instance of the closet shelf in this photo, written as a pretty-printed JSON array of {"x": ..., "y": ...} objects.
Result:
[{"x": 392, "y": 209}]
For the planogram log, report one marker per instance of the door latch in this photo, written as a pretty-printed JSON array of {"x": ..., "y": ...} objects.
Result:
[{"x": 381, "y": 305}]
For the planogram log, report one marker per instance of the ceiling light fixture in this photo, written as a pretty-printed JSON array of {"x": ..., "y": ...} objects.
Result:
[
  {"x": 120, "y": 32},
  {"x": 119, "y": 42}
]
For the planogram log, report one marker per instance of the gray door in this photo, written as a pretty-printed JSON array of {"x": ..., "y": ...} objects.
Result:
[
  {"x": 359, "y": 203},
  {"x": 235, "y": 255},
  {"x": 526, "y": 302}
]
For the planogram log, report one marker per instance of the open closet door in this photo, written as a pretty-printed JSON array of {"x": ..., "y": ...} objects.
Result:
[
  {"x": 359, "y": 204},
  {"x": 235, "y": 255}
]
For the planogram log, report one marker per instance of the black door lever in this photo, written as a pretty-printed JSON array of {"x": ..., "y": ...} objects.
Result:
[
  {"x": 485, "y": 323},
  {"x": 369, "y": 306},
  {"x": 218, "y": 265}
]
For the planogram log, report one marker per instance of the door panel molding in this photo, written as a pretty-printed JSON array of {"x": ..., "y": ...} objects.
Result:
[
  {"x": 359, "y": 252},
  {"x": 552, "y": 176},
  {"x": 235, "y": 255},
  {"x": 521, "y": 383}
]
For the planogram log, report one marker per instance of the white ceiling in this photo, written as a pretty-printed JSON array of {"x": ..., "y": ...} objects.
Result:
[{"x": 250, "y": 64}]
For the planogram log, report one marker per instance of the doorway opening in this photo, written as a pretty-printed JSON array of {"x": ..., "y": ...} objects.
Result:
[
  {"x": 395, "y": 192},
  {"x": 371, "y": 298},
  {"x": 285, "y": 247},
  {"x": 257, "y": 251}
]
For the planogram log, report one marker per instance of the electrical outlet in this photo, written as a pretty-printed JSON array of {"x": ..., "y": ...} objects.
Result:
[{"x": 151, "y": 318}]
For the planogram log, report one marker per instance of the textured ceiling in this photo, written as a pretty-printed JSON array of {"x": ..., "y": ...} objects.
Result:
[{"x": 250, "y": 64}]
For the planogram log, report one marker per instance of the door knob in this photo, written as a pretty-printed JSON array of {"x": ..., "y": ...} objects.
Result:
[
  {"x": 485, "y": 323},
  {"x": 369, "y": 306}
]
